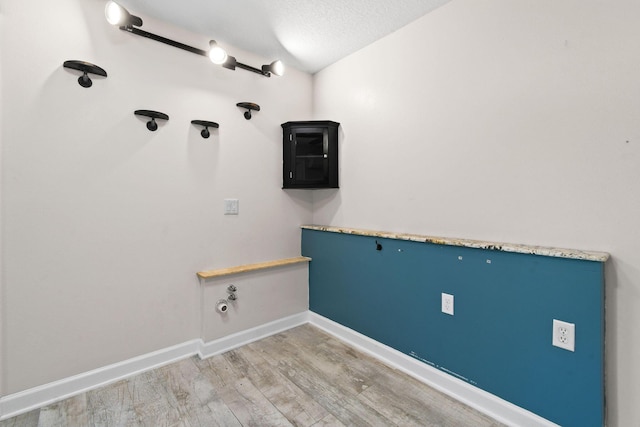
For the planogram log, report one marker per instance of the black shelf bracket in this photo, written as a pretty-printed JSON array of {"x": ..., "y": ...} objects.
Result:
[
  {"x": 249, "y": 106},
  {"x": 153, "y": 115},
  {"x": 207, "y": 124},
  {"x": 85, "y": 67}
]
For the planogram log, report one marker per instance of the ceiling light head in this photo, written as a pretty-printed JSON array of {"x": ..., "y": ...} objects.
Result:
[
  {"x": 230, "y": 63},
  {"x": 118, "y": 15},
  {"x": 276, "y": 68},
  {"x": 217, "y": 55}
]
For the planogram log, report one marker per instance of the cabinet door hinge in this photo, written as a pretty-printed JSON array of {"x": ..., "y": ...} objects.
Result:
[{"x": 290, "y": 175}]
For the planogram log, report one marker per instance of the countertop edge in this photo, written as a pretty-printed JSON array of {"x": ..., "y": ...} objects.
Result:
[{"x": 470, "y": 243}]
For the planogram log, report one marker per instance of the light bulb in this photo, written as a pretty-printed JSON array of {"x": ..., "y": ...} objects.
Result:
[
  {"x": 217, "y": 55},
  {"x": 114, "y": 13},
  {"x": 277, "y": 68}
]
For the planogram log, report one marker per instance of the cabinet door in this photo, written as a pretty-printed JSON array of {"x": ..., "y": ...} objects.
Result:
[
  {"x": 310, "y": 154},
  {"x": 309, "y": 147}
]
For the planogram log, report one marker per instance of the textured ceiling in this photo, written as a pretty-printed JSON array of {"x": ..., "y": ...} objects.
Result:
[{"x": 305, "y": 34}]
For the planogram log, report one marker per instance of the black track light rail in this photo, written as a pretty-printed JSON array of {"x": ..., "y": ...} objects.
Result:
[
  {"x": 143, "y": 33},
  {"x": 164, "y": 40},
  {"x": 252, "y": 69}
]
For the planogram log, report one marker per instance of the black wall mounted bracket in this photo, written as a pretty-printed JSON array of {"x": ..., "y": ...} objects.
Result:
[
  {"x": 207, "y": 124},
  {"x": 85, "y": 67},
  {"x": 151, "y": 124},
  {"x": 249, "y": 106}
]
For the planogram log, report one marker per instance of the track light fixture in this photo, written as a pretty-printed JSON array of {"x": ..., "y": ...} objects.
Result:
[
  {"x": 276, "y": 67},
  {"x": 119, "y": 16},
  {"x": 249, "y": 106},
  {"x": 85, "y": 67},
  {"x": 205, "y": 132},
  {"x": 219, "y": 56},
  {"x": 153, "y": 115}
]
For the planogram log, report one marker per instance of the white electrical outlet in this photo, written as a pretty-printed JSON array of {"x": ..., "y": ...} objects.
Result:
[
  {"x": 231, "y": 206},
  {"x": 564, "y": 335},
  {"x": 447, "y": 304}
]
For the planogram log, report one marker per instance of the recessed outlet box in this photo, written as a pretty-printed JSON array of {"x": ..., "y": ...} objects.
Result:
[
  {"x": 447, "y": 304},
  {"x": 564, "y": 335},
  {"x": 231, "y": 206}
]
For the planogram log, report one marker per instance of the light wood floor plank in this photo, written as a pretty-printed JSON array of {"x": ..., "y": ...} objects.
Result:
[
  {"x": 354, "y": 370},
  {"x": 69, "y": 412},
  {"x": 297, "y": 406},
  {"x": 402, "y": 399},
  {"x": 195, "y": 397},
  {"x": 329, "y": 421},
  {"x": 329, "y": 388},
  {"x": 28, "y": 419},
  {"x": 248, "y": 404},
  {"x": 140, "y": 400},
  {"x": 110, "y": 406},
  {"x": 302, "y": 377}
]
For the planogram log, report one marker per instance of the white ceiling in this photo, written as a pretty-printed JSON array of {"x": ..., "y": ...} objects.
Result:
[{"x": 305, "y": 34}]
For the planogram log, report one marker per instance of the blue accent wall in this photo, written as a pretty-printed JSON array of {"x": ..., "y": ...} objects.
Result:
[{"x": 499, "y": 338}]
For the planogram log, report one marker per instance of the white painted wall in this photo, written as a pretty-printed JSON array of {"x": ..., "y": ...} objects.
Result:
[
  {"x": 262, "y": 296},
  {"x": 105, "y": 224},
  {"x": 506, "y": 121}
]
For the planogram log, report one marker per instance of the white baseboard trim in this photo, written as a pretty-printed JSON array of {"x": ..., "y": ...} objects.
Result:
[
  {"x": 485, "y": 402},
  {"x": 25, "y": 401},
  {"x": 239, "y": 339},
  {"x": 499, "y": 409}
]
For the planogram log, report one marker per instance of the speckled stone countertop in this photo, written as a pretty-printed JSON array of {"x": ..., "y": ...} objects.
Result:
[{"x": 468, "y": 243}]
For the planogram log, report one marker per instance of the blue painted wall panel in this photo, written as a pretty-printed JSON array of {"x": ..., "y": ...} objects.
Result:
[{"x": 500, "y": 336}]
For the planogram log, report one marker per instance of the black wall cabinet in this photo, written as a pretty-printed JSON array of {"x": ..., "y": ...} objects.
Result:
[{"x": 310, "y": 154}]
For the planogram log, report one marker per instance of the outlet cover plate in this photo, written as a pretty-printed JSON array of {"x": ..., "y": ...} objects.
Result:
[
  {"x": 231, "y": 206},
  {"x": 564, "y": 335},
  {"x": 447, "y": 303}
]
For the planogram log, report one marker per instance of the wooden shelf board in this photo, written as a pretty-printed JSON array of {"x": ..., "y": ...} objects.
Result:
[{"x": 251, "y": 267}]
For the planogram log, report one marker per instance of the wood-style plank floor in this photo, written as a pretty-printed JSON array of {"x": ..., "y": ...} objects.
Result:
[{"x": 301, "y": 377}]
